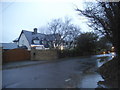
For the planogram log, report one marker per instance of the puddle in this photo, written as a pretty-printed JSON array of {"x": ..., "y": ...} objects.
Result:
[{"x": 90, "y": 81}]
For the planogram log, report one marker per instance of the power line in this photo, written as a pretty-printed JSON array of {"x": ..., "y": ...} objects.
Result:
[{"x": 4, "y": 9}]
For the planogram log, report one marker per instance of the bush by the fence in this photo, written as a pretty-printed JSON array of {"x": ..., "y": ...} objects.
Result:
[
  {"x": 68, "y": 53},
  {"x": 73, "y": 53}
]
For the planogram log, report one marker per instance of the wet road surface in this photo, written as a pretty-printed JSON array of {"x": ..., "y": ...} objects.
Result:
[{"x": 68, "y": 73}]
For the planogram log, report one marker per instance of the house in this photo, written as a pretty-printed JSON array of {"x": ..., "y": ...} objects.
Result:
[
  {"x": 37, "y": 40},
  {"x": 8, "y": 46}
]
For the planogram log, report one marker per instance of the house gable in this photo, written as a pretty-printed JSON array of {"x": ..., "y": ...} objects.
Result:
[{"x": 23, "y": 41}]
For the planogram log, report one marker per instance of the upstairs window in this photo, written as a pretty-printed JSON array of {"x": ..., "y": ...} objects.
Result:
[{"x": 36, "y": 41}]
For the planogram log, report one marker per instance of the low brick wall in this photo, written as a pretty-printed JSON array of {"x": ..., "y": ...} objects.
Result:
[{"x": 43, "y": 54}]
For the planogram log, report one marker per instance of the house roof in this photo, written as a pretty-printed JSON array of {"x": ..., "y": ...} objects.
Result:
[
  {"x": 16, "y": 40},
  {"x": 31, "y": 36},
  {"x": 9, "y": 45}
]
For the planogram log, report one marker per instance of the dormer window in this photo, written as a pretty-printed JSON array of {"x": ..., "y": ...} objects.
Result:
[{"x": 36, "y": 41}]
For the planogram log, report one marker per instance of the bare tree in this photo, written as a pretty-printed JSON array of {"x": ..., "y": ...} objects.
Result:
[
  {"x": 65, "y": 29},
  {"x": 104, "y": 17}
]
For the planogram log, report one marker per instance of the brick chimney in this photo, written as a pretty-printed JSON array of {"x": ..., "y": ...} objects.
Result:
[{"x": 35, "y": 30}]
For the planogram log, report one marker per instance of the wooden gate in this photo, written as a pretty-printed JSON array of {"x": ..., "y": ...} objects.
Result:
[{"x": 16, "y": 55}]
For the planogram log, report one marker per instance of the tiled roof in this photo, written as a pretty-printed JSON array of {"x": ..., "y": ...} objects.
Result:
[{"x": 30, "y": 36}]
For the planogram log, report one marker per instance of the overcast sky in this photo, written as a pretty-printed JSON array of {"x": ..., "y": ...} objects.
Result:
[{"x": 18, "y": 16}]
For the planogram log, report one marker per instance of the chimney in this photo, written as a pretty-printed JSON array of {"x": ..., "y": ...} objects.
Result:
[{"x": 35, "y": 30}]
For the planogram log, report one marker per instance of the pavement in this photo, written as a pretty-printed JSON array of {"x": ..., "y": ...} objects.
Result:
[{"x": 17, "y": 64}]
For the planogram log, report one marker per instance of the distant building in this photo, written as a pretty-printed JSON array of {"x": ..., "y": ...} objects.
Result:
[
  {"x": 8, "y": 46},
  {"x": 31, "y": 39}
]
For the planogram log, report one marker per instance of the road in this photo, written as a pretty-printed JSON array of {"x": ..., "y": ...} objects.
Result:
[{"x": 65, "y": 73}]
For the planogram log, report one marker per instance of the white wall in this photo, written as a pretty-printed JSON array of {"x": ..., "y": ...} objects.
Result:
[{"x": 23, "y": 41}]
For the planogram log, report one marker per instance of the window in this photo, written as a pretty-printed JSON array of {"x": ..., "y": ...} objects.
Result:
[{"x": 36, "y": 41}]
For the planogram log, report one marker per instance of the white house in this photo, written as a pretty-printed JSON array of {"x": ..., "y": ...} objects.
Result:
[{"x": 28, "y": 39}]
